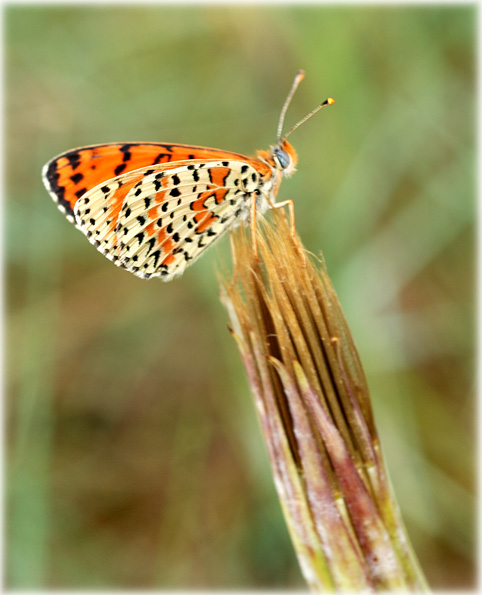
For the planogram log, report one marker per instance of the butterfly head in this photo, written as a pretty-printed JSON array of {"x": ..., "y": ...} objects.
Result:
[{"x": 285, "y": 157}]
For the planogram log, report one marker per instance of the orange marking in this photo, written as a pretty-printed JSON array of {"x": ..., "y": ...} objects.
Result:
[
  {"x": 61, "y": 164},
  {"x": 198, "y": 205},
  {"x": 161, "y": 236},
  {"x": 160, "y": 196},
  {"x": 170, "y": 258},
  {"x": 165, "y": 241},
  {"x": 117, "y": 200},
  {"x": 218, "y": 175},
  {"x": 153, "y": 212},
  {"x": 220, "y": 195},
  {"x": 205, "y": 222},
  {"x": 151, "y": 228}
]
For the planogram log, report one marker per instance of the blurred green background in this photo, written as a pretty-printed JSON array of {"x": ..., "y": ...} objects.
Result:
[{"x": 134, "y": 456}]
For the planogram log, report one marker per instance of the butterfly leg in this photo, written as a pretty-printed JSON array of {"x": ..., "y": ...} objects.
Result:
[{"x": 252, "y": 225}]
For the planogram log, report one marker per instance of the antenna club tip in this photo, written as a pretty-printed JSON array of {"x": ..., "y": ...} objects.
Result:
[
  {"x": 300, "y": 75},
  {"x": 330, "y": 101}
]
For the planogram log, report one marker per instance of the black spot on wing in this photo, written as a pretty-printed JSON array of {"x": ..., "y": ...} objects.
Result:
[
  {"x": 156, "y": 255},
  {"x": 126, "y": 152},
  {"x": 76, "y": 178},
  {"x": 80, "y": 193},
  {"x": 120, "y": 168},
  {"x": 74, "y": 159},
  {"x": 151, "y": 243}
]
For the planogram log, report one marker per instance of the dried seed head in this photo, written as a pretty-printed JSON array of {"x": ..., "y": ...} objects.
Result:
[{"x": 313, "y": 402}]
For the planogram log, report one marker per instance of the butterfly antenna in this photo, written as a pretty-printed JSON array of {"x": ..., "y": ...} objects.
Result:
[
  {"x": 329, "y": 101},
  {"x": 300, "y": 75}
]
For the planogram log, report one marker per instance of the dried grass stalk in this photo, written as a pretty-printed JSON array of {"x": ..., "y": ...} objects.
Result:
[{"x": 313, "y": 402}]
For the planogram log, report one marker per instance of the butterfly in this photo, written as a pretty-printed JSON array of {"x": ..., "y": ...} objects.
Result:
[{"x": 154, "y": 208}]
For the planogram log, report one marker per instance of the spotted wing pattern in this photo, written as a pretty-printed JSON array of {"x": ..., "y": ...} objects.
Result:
[
  {"x": 70, "y": 175},
  {"x": 156, "y": 220}
]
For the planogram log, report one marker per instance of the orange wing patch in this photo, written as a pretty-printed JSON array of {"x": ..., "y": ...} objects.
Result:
[{"x": 70, "y": 175}]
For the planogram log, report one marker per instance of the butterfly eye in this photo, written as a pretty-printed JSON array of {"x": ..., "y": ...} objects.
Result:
[{"x": 283, "y": 158}]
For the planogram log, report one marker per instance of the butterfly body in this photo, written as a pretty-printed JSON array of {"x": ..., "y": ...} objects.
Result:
[{"x": 154, "y": 208}]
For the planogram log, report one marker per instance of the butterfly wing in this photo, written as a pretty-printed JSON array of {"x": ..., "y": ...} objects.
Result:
[
  {"x": 70, "y": 175},
  {"x": 156, "y": 220}
]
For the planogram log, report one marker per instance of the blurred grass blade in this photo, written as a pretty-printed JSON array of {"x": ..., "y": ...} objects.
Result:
[{"x": 313, "y": 402}]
